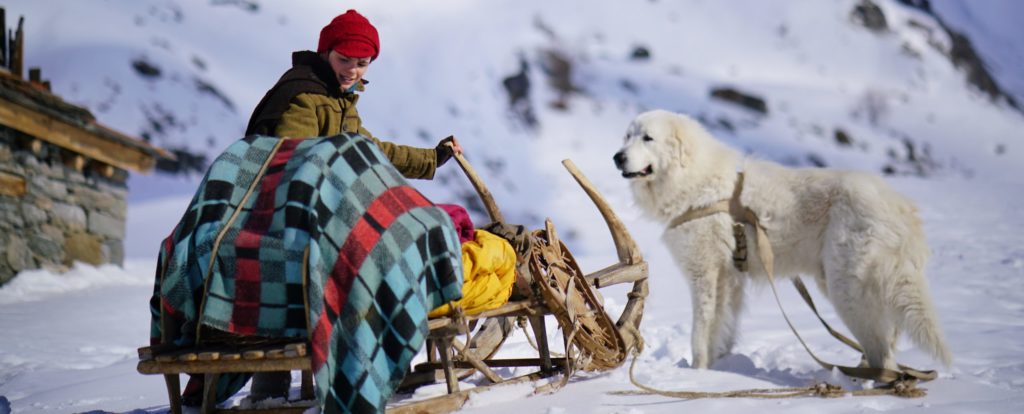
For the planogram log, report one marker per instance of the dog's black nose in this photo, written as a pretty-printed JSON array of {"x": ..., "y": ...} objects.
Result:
[{"x": 620, "y": 159}]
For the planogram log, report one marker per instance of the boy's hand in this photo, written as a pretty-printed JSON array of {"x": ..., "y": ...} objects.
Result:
[{"x": 446, "y": 149}]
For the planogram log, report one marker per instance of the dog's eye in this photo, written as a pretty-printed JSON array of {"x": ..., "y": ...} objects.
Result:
[{"x": 648, "y": 138}]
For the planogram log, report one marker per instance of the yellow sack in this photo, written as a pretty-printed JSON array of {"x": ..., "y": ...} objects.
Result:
[{"x": 489, "y": 265}]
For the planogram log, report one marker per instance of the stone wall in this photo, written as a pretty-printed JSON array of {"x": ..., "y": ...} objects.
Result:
[{"x": 65, "y": 215}]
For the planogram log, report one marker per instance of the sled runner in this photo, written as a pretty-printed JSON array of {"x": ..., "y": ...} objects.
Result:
[{"x": 549, "y": 282}]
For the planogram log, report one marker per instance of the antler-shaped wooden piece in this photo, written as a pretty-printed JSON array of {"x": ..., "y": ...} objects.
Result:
[{"x": 631, "y": 266}]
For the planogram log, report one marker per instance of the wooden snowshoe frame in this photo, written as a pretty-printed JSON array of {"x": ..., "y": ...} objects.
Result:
[{"x": 558, "y": 287}]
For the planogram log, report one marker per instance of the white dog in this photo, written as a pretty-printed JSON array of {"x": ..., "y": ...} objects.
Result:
[{"x": 860, "y": 240}]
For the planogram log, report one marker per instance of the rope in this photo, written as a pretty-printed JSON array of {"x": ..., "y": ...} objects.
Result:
[{"x": 904, "y": 389}]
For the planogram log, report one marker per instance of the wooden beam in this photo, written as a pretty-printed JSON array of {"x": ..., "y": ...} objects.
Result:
[
  {"x": 74, "y": 161},
  {"x": 3, "y": 37},
  {"x": 11, "y": 185},
  {"x": 106, "y": 170},
  {"x": 18, "y": 49},
  {"x": 73, "y": 138},
  {"x": 36, "y": 146},
  {"x": 222, "y": 366}
]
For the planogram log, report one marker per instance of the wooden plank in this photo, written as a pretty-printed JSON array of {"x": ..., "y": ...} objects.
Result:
[
  {"x": 222, "y": 366},
  {"x": 12, "y": 185},
  {"x": 73, "y": 138}
]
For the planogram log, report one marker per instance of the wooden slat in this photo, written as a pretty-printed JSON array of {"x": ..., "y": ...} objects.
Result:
[
  {"x": 223, "y": 366},
  {"x": 295, "y": 350},
  {"x": 73, "y": 138},
  {"x": 254, "y": 354},
  {"x": 11, "y": 185},
  {"x": 209, "y": 356}
]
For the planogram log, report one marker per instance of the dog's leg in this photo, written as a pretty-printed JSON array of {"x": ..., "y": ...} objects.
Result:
[
  {"x": 863, "y": 312},
  {"x": 729, "y": 305},
  {"x": 703, "y": 287}
]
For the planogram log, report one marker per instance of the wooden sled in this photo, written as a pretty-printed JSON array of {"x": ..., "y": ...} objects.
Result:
[
  {"x": 554, "y": 285},
  {"x": 593, "y": 341}
]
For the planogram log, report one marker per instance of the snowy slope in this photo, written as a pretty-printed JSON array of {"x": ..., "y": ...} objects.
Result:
[{"x": 903, "y": 105}]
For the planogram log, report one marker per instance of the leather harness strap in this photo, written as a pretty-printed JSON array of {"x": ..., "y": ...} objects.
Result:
[{"x": 743, "y": 215}]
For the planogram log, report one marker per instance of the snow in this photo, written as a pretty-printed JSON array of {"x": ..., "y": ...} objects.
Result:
[{"x": 69, "y": 340}]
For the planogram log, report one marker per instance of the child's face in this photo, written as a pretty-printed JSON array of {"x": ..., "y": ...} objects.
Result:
[{"x": 348, "y": 70}]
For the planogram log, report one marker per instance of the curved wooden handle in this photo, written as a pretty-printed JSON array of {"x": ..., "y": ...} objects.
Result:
[
  {"x": 624, "y": 244},
  {"x": 481, "y": 189}
]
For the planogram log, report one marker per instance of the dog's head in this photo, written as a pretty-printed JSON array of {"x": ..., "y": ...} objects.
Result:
[{"x": 656, "y": 141}]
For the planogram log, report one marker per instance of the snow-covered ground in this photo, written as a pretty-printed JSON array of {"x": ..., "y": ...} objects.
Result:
[{"x": 67, "y": 342}]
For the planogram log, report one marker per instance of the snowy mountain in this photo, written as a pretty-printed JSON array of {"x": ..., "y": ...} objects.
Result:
[
  {"x": 927, "y": 93},
  {"x": 849, "y": 84}
]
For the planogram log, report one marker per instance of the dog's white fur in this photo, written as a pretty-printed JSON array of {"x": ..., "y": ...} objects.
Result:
[{"x": 860, "y": 240}]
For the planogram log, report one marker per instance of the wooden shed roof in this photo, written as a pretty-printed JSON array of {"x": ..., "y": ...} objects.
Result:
[{"x": 32, "y": 109}]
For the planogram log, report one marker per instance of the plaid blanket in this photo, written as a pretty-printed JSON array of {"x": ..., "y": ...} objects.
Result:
[{"x": 282, "y": 226}]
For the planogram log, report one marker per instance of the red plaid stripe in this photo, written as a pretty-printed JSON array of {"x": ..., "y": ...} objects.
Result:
[
  {"x": 382, "y": 212},
  {"x": 246, "y": 312}
]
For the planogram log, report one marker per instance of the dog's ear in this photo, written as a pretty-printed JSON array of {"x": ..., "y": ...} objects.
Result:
[{"x": 679, "y": 136}]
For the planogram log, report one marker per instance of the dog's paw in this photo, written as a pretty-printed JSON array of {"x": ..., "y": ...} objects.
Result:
[{"x": 683, "y": 363}]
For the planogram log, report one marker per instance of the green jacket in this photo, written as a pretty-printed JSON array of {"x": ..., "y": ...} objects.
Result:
[{"x": 308, "y": 102}]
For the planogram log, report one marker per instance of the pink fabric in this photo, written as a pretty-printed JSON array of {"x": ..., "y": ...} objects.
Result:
[{"x": 463, "y": 225}]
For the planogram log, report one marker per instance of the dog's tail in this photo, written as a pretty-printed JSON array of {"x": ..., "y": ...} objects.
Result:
[
  {"x": 910, "y": 298},
  {"x": 920, "y": 321}
]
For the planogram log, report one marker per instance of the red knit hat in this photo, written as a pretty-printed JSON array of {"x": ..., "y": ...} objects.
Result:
[{"x": 351, "y": 35}]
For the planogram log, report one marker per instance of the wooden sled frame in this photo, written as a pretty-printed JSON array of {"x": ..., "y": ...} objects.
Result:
[
  {"x": 448, "y": 358},
  {"x": 457, "y": 360}
]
